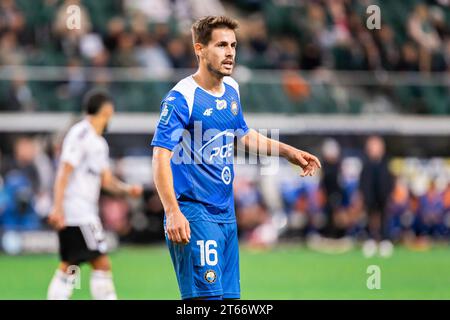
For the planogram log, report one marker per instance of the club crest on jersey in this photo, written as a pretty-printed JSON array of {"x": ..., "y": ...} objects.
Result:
[
  {"x": 221, "y": 104},
  {"x": 234, "y": 108},
  {"x": 166, "y": 112},
  {"x": 210, "y": 276}
]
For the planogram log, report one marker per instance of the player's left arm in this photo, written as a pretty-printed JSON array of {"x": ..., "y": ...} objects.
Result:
[
  {"x": 262, "y": 145},
  {"x": 112, "y": 184}
]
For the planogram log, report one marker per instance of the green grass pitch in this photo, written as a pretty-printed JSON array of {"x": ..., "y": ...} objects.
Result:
[{"x": 285, "y": 272}]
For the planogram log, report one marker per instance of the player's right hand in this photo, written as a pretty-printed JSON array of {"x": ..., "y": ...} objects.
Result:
[
  {"x": 135, "y": 191},
  {"x": 177, "y": 227},
  {"x": 56, "y": 219}
]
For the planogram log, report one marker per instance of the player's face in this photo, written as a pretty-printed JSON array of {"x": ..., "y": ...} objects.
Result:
[{"x": 220, "y": 52}]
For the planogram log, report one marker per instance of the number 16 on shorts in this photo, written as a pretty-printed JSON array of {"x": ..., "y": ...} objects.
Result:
[{"x": 208, "y": 253}]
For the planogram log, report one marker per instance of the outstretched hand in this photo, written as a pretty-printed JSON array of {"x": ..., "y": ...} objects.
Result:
[{"x": 306, "y": 161}]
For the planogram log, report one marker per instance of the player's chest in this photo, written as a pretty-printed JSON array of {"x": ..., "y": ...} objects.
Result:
[
  {"x": 95, "y": 151},
  {"x": 215, "y": 113}
]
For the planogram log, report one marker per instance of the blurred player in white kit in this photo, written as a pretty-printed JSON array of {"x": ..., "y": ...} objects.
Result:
[{"x": 83, "y": 171}]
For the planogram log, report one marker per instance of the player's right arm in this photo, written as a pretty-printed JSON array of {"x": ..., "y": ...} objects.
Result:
[
  {"x": 177, "y": 226},
  {"x": 174, "y": 119},
  {"x": 56, "y": 216}
]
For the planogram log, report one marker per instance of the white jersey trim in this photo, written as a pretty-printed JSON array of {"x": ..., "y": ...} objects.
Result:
[
  {"x": 187, "y": 88},
  {"x": 230, "y": 81}
]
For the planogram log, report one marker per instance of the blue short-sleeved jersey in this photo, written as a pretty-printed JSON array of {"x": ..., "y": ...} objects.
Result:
[{"x": 199, "y": 127}]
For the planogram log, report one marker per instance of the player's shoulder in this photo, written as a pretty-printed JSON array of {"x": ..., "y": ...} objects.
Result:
[
  {"x": 185, "y": 87},
  {"x": 182, "y": 94},
  {"x": 79, "y": 131},
  {"x": 231, "y": 82}
]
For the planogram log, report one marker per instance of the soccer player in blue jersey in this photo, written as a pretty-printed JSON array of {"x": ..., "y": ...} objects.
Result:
[{"x": 193, "y": 165}]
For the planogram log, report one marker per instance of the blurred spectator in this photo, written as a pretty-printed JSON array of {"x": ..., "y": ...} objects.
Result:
[
  {"x": 365, "y": 53},
  {"x": 437, "y": 19},
  {"x": 178, "y": 53},
  {"x": 296, "y": 88},
  {"x": 125, "y": 56},
  {"x": 431, "y": 212},
  {"x": 446, "y": 204},
  {"x": 101, "y": 60},
  {"x": 288, "y": 54},
  {"x": 146, "y": 221},
  {"x": 376, "y": 186},
  {"x": 153, "y": 10},
  {"x": 21, "y": 185},
  {"x": 421, "y": 29},
  {"x": 76, "y": 82},
  {"x": 152, "y": 56},
  {"x": 11, "y": 18},
  {"x": 91, "y": 45},
  {"x": 20, "y": 97},
  {"x": 24, "y": 152},
  {"x": 315, "y": 22},
  {"x": 311, "y": 57},
  {"x": 331, "y": 186},
  {"x": 389, "y": 50},
  {"x": 250, "y": 211},
  {"x": 401, "y": 215},
  {"x": 446, "y": 55},
  {"x": 409, "y": 60},
  {"x": 10, "y": 52},
  {"x": 116, "y": 26},
  {"x": 340, "y": 23},
  {"x": 257, "y": 41},
  {"x": 69, "y": 39}
]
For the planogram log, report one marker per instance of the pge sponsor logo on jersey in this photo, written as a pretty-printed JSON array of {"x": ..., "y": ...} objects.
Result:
[
  {"x": 223, "y": 152},
  {"x": 216, "y": 147},
  {"x": 166, "y": 112},
  {"x": 221, "y": 104}
]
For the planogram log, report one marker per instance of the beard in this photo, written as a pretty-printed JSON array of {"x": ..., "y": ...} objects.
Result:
[{"x": 219, "y": 74}]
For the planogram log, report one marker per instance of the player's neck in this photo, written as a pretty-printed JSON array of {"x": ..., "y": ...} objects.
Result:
[
  {"x": 96, "y": 124},
  {"x": 208, "y": 80}
]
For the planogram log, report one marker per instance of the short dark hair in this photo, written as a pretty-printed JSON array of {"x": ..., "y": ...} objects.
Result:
[
  {"x": 203, "y": 27},
  {"x": 94, "y": 100}
]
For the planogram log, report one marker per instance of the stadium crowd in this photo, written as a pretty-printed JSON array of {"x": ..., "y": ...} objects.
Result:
[
  {"x": 283, "y": 35},
  {"x": 276, "y": 34}
]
